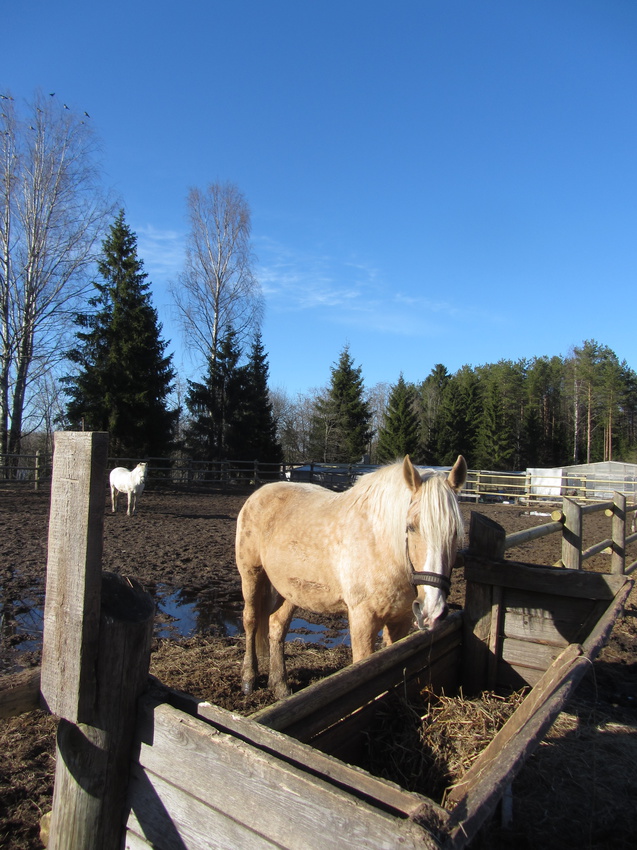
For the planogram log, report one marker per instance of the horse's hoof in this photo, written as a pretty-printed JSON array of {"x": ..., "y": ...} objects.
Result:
[{"x": 281, "y": 691}]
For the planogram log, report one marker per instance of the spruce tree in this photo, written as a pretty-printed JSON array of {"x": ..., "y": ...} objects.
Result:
[
  {"x": 457, "y": 418},
  {"x": 256, "y": 428},
  {"x": 495, "y": 448},
  {"x": 341, "y": 428},
  {"x": 400, "y": 432},
  {"x": 215, "y": 405},
  {"x": 124, "y": 376}
]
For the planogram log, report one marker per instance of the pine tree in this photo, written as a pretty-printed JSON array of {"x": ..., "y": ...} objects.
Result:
[
  {"x": 341, "y": 428},
  {"x": 400, "y": 433},
  {"x": 124, "y": 376}
]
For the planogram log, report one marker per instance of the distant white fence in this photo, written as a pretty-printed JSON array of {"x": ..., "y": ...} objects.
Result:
[{"x": 591, "y": 483}]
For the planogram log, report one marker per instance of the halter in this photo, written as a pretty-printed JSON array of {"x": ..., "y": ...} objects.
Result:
[{"x": 423, "y": 577}]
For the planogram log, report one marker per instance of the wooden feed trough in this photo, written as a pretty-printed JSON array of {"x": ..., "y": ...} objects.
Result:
[
  {"x": 281, "y": 778},
  {"x": 182, "y": 774}
]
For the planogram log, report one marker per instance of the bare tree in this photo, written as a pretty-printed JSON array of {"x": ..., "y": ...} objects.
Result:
[
  {"x": 52, "y": 212},
  {"x": 217, "y": 289}
]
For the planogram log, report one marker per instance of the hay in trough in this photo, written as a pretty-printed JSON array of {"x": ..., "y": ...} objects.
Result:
[{"x": 426, "y": 745}]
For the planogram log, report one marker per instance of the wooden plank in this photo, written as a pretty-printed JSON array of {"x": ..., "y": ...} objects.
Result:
[
  {"x": 476, "y": 631},
  {"x": 486, "y": 537},
  {"x": 73, "y": 577},
  {"x": 170, "y": 818},
  {"x": 495, "y": 638},
  {"x": 551, "y": 580},
  {"x": 510, "y": 677},
  {"x": 346, "y": 739},
  {"x": 135, "y": 842},
  {"x": 517, "y": 538},
  {"x": 19, "y": 692},
  {"x": 618, "y": 533},
  {"x": 572, "y": 535},
  {"x": 350, "y": 778},
  {"x": 600, "y": 633},
  {"x": 476, "y": 795},
  {"x": 400, "y": 676},
  {"x": 537, "y": 656},
  {"x": 285, "y": 804},
  {"x": 349, "y": 688},
  {"x": 92, "y": 760},
  {"x": 547, "y": 619}
]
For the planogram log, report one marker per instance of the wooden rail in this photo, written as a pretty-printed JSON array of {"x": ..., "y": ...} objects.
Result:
[{"x": 569, "y": 521}]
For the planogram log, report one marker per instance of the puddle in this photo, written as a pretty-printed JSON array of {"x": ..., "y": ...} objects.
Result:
[
  {"x": 186, "y": 614},
  {"x": 179, "y": 613}
]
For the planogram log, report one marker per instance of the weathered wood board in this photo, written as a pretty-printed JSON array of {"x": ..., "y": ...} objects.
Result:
[
  {"x": 196, "y": 785},
  {"x": 519, "y": 617}
]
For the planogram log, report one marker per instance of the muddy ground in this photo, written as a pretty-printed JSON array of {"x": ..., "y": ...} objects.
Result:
[{"x": 181, "y": 546}]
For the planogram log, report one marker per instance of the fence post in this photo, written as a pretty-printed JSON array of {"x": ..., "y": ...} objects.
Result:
[
  {"x": 572, "y": 535},
  {"x": 618, "y": 533},
  {"x": 95, "y": 654}
]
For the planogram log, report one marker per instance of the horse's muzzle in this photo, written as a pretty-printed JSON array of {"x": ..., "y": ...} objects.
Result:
[{"x": 426, "y": 623}]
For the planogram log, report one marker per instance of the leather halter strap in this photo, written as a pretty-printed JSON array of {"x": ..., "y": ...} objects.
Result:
[{"x": 419, "y": 577}]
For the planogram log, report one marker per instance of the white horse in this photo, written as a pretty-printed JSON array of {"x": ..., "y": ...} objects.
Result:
[{"x": 132, "y": 483}]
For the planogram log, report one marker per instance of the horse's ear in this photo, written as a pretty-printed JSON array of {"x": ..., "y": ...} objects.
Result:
[
  {"x": 458, "y": 474},
  {"x": 412, "y": 476}
]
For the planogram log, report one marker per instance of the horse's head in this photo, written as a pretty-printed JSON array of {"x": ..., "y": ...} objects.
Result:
[
  {"x": 434, "y": 530},
  {"x": 140, "y": 473}
]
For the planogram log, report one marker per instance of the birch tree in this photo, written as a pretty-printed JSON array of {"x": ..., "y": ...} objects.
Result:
[
  {"x": 52, "y": 212},
  {"x": 217, "y": 290}
]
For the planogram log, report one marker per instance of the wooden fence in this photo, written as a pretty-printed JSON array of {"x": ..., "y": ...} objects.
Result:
[
  {"x": 181, "y": 472},
  {"x": 215, "y": 779},
  {"x": 34, "y": 470}
]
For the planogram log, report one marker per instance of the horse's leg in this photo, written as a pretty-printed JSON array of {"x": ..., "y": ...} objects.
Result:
[
  {"x": 364, "y": 626},
  {"x": 279, "y": 624},
  {"x": 254, "y": 585},
  {"x": 398, "y": 629}
]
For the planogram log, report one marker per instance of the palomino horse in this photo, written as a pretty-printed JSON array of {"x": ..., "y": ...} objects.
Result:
[
  {"x": 132, "y": 483},
  {"x": 300, "y": 545}
]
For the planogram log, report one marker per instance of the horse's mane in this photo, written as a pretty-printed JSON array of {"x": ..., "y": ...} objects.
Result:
[{"x": 386, "y": 497}]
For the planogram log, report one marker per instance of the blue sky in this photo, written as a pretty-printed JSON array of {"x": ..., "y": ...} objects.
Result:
[{"x": 442, "y": 181}]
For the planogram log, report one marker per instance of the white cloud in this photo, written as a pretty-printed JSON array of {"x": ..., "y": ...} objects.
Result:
[
  {"x": 350, "y": 293},
  {"x": 161, "y": 250}
]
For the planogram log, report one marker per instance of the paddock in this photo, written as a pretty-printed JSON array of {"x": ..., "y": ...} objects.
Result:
[{"x": 300, "y": 751}]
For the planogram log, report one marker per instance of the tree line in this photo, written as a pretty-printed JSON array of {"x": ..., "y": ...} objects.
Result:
[
  {"x": 511, "y": 415},
  {"x": 81, "y": 343}
]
